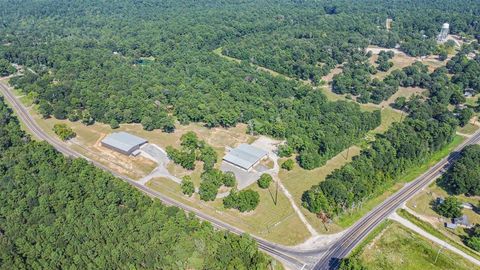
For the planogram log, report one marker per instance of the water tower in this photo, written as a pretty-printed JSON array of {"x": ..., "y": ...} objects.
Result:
[{"x": 442, "y": 37}]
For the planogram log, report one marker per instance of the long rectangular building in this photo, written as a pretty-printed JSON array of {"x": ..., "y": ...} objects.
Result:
[
  {"x": 123, "y": 142},
  {"x": 245, "y": 156}
]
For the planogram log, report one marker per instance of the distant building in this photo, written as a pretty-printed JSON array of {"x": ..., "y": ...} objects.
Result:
[
  {"x": 442, "y": 37},
  {"x": 451, "y": 225},
  {"x": 462, "y": 221},
  {"x": 245, "y": 156},
  {"x": 468, "y": 92},
  {"x": 467, "y": 206},
  {"x": 123, "y": 142},
  {"x": 440, "y": 200}
]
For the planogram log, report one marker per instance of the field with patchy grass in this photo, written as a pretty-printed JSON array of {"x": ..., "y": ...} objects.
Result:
[
  {"x": 88, "y": 140},
  {"x": 277, "y": 223},
  {"x": 396, "y": 247},
  {"x": 468, "y": 129},
  {"x": 291, "y": 180},
  {"x": 298, "y": 180}
]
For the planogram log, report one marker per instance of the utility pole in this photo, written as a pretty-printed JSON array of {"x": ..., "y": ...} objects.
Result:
[
  {"x": 276, "y": 192},
  {"x": 438, "y": 253}
]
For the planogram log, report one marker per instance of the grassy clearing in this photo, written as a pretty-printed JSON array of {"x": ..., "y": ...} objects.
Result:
[
  {"x": 389, "y": 116},
  {"x": 441, "y": 234},
  {"x": 399, "y": 60},
  {"x": 277, "y": 223},
  {"x": 298, "y": 180},
  {"x": 405, "y": 92},
  {"x": 375, "y": 233},
  {"x": 468, "y": 129},
  {"x": 396, "y": 247},
  {"x": 472, "y": 101}
]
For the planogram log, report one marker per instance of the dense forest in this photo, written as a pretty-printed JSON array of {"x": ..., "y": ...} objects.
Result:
[
  {"x": 330, "y": 33},
  {"x": 429, "y": 126},
  {"x": 463, "y": 177},
  {"x": 151, "y": 62},
  {"x": 59, "y": 213}
]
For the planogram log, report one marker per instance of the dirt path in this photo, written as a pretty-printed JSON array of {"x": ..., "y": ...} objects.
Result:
[
  {"x": 297, "y": 210},
  {"x": 415, "y": 228},
  {"x": 463, "y": 134},
  {"x": 270, "y": 146}
]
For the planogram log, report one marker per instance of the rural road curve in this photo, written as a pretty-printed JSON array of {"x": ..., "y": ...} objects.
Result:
[
  {"x": 293, "y": 258},
  {"x": 420, "y": 231}
]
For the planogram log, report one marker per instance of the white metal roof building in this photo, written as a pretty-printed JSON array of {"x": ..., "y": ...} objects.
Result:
[
  {"x": 245, "y": 156},
  {"x": 123, "y": 142}
]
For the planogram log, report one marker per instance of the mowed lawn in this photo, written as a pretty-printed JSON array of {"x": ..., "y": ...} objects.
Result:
[
  {"x": 275, "y": 222},
  {"x": 396, "y": 247},
  {"x": 468, "y": 129},
  {"x": 299, "y": 180}
]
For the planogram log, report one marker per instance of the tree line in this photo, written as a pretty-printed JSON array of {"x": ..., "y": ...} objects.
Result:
[
  {"x": 429, "y": 126},
  {"x": 463, "y": 177},
  {"x": 162, "y": 71},
  {"x": 57, "y": 212}
]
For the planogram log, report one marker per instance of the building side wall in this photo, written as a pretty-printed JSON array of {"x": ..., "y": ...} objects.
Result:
[{"x": 128, "y": 153}]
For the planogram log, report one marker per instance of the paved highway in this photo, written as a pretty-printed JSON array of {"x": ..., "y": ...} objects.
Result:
[
  {"x": 318, "y": 258},
  {"x": 284, "y": 254},
  {"x": 360, "y": 230}
]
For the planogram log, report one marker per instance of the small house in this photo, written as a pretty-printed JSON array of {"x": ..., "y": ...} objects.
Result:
[
  {"x": 462, "y": 221},
  {"x": 467, "y": 206},
  {"x": 439, "y": 200},
  {"x": 451, "y": 225},
  {"x": 468, "y": 92}
]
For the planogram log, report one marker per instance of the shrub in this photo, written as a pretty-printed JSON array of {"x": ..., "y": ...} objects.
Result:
[
  {"x": 450, "y": 208},
  {"x": 474, "y": 243},
  {"x": 229, "y": 179},
  {"x": 243, "y": 201},
  {"x": 187, "y": 186},
  {"x": 64, "y": 132},
  {"x": 288, "y": 164},
  {"x": 264, "y": 181},
  {"x": 208, "y": 191},
  {"x": 114, "y": 124},
  {"x": 285, "y": 150},
  {"x": 183, "y": 158}
]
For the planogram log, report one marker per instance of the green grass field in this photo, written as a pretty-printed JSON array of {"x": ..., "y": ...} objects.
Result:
[
  {"x": 277, "y": 223},
  {"x": 440, "y": 232},
  {"x": 298, "y": 180},
  {"x": 468, "y": 129},
  {"x": 396, "y": 247}
]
